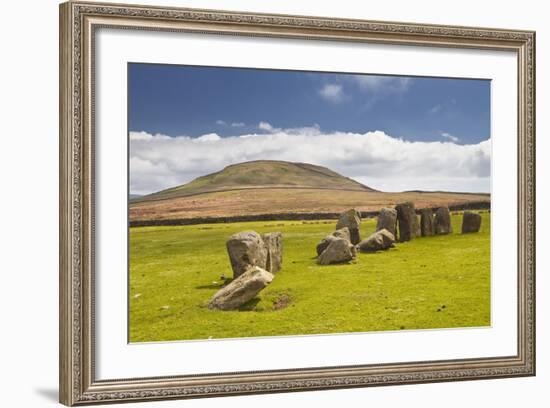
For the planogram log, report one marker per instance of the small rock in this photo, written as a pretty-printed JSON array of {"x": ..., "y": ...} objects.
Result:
[
  {"x": 246, "y": 249},
  {"x": 338, "y": 251},
  {"x": 352, "y": 220},
  {"x": 241, "y": 289},
  {"x": 380, "y": 240},
  {"x": 387, "y": 219},
  {"x": 340, "y": 233},
  {"x": 471, "y": 222}
]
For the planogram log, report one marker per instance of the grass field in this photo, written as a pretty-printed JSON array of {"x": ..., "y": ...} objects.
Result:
[{"x": 430, "y": 282}]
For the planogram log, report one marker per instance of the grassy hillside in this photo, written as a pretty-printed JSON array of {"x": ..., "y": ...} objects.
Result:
[
  {"x": 277, "y": 187},
  {"x": 262, "y": 174},
  {"x": 430, "y": 282}
]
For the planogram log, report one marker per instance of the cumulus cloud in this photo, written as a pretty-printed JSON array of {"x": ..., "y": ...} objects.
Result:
[
  {"x": 373, "y": 158},
  {"x": 267, "y": 127},
  {"x": 332, "y": 92},
  {"x": 237, "y": 124},
  {"x": 221, "y": 122}
]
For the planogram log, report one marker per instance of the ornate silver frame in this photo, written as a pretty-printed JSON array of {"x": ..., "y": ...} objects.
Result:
[{"x": 78, "y": 22}]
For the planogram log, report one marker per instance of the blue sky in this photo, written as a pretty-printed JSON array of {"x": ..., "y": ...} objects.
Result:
[
  {"x": 393, "y": 133},
  {"x": 186, "y": 100}
]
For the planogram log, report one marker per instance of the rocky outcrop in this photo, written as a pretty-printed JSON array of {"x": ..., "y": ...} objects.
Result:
[
  {"x": 352, "y": 220},
  {"x": 241, "y": 289},
  {"x": 246, "y": 249},
  {"x": 442, "y": 221},
  {"x": 387, "y": 219},
  {"x": 471, "y": 222},
  {"x": 274, "y": 245},
  {"x": 338, "y": 251},
  {"x": 378, "y": 241}
]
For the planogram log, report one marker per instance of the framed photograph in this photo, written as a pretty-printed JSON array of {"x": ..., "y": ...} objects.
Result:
[{"x": 256, "y": 203}]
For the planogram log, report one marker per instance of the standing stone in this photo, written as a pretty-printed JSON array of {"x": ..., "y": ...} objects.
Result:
[
  {"x": 471, "y": 222},
  {"x": 241, "y": 289},
  {"x": 246, "y": 249},
  {"x": 338, "y": 251},
  {"x": 274, "y": 244},
  {"x": 341, "y": 233},
  {"x": 442, "y": 221},
  {"x": 352, "y": 220},
  {"x": 407, "y": 221},
  {"x": 387, "y": 219},
  {"x": 380, "y": 240},
  {"x": 417, "y": 225},
  {"x": 427, "y": 222}
]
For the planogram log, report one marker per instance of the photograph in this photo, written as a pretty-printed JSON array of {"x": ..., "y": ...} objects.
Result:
[{"x": 268, "y": 202}]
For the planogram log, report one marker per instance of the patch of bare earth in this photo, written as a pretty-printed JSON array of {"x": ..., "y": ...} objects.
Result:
[{"x": 282, "y": 302}]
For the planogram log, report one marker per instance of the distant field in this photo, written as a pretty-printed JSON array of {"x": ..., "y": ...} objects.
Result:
[
  {"x": 286, "y": 200},
  {"x": 432, "y": 282}
]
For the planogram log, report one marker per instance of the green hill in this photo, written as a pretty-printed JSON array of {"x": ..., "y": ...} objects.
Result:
[{"x": 262, "y": 174}]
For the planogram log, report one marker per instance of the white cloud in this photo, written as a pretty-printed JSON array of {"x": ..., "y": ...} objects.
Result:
[
  {"x": 210, "y": 137},
  {"x": 332, "y": 92},
  {"x": 383, "y": 84},
  {"x": 221, "y": 122},
  {"x": 373, "y": 158},
  {"x": 449, "y": 137},
  {"x": 267, "y": 127},
  {"x": 237, "y": 124}
]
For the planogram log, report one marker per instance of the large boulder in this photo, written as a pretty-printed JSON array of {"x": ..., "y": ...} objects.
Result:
[
  {"x": 241, "y": 289},
  {"x": 338, "y": 251},
  {"x": 341, "y": 233},
  {"x": 246, "y": 249},
  {"x": 427, "y": 222},
  {"x": 352, "y": 220},
  {"x": 274, "y": 244},
  {"x": 380, "y": 240},
  {"x": 471, "y": 222},
  {"x": 387, "y": 219},
  {"x": 407, "y": 221},
  {"x": 442, "y": 221}
]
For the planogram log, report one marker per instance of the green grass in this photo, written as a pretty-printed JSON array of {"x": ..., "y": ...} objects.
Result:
[{"x": 430, "y": 282}]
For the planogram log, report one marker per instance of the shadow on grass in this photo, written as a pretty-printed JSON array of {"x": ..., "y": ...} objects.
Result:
[{"x": 249, "y": 306}]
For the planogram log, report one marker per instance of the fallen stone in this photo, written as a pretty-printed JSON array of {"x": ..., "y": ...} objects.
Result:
[
  {"x": 426, "y": 222},
  {"x": 442, "y": 221},
  {"x": 241, "y": 289},
  {"x": 274, "y": 244},
  {"x": 339, "y": 251},
  {"x": 387, "y": 219},
  {"x": 378, "y": 241},
  {"x": 407, "y": 221},
  {"x": 341, "y": 233},
  {"x": 246, "y": 249},
  {"x": 352, "y": 220},
  {"x": 471, "y": 222}
]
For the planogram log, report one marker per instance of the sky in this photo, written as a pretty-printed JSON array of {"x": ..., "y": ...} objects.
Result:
[{"x": 393, "y": 133}]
